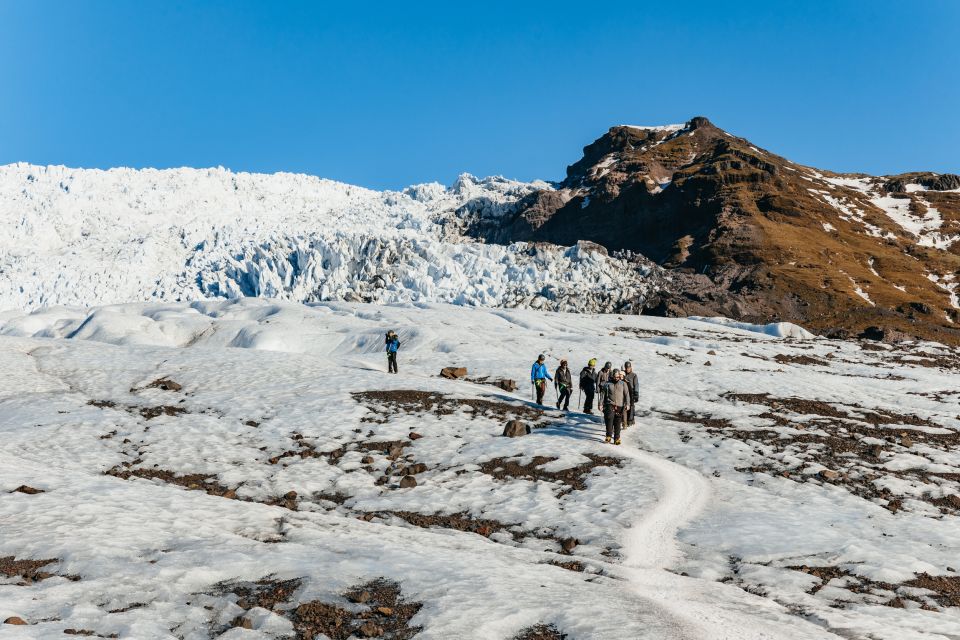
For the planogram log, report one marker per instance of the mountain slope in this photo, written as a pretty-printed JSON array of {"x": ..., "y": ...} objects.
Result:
[{"x": 755, "y": 236}]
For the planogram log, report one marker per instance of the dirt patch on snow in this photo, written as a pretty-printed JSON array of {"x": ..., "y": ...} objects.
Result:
[
  {"x": 944, "y": 591},
  {"x": 541, "y": 632},
  {"x": 383, "y": 404},
  {"x": 572, "y": 477},
  {"x": 29, "y": 571}
]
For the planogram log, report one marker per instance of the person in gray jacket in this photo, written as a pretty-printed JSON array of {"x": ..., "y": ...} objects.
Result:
[
  {"x": 634, "y": 383},
  {"x": 616, "y": 405}
]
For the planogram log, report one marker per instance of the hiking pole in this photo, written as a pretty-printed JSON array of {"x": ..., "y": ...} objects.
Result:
[{"x": 579, "y": 397}]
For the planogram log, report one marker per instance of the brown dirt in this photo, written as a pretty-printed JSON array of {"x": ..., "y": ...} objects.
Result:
[
  {"x": 387, "y": 615},
  {"x": 540, "y": 632},
  {"x": 30, "y": 491},
  {"x": 805, "y": 360},
  {"x": 148, "y": 413},
  {"x": 573, "y": 477},
  {"x": 28, "y": 570},
  {"x": 945, "y": 588},
  {"x": 382, "y": 404},
  {"x": 832, "y": 435}
]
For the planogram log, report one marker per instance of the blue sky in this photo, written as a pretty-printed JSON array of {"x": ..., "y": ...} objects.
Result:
[{"x": 388, "y": 94}]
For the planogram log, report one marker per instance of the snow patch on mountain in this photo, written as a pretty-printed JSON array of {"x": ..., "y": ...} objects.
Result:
[{"x": 77, "y": 236}]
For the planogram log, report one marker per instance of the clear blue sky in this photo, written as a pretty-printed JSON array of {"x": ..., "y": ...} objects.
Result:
[{"x": 393, "y": 93}]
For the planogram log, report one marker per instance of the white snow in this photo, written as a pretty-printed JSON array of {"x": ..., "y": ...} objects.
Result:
[
  {"x": 667, "y": 539},
  {"x": 667, "y": 128},
  {"x": 774, "y": 329},
  {"x": 78, "y": 237}
]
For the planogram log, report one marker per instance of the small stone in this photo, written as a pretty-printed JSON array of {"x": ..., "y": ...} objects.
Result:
[
  {"x": 370, "y": 630},
  {"x": 414, "y": 469},
  {"x": 15, "y": 620},
  {"x": 387, "y": 611},
  {"x": 359, "y": 598},
  {"x": 415, "y": 436},
  {"x": 829, "y": 474},
  {"x": 30, "y": 491},
  {"x": 569, "y": 544},
  {"x": 290, "y": 495},
  {"x": 452, "y": 373},
  {"x": 367, "y": 459},
  {"x": 230, "y": 494},
  {"x": 708, "y": 364},
  {"x": 395, "y": 453},
  {"x": 906, "y": 441},
  {"x": 515, "y": 429},
  {"x": 242, "y": 622},
  {"x": 408, "y": 482},
  {"x": 711, "y": 352},
  {"x": 507, "y": 384}
]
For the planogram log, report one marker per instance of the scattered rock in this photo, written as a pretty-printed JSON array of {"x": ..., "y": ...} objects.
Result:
[
  {"x": 230, "y": 494},
  {"x": 506, "y": 384},
  {"x": 708, "y": 364},
  {"x": 906, "y": 441},
  {"x": 242, "y": 622},
  {"x": 414, "y": 435},
  {"x": 386, "y": 611},
  {"x": 711, "y": 352},
  {"x": 408, "y": 482},
  {"x": 515, "y": 429},
  {"x": 30, "y": 491},
  {"x": 165, "y": 384},
  {"x": 360, "y": 597},
  {"x": 829, "y": 474},
  {"x": 367, "y": 459},
  {"x": 414, "y": 469},
  {"x": 452, "y": 373},
  {"x": 15, "y": 620},
  {"x": 370, "y": 630},
  {"x": 569, "y": 544},
  {"x": 290, "y": 495}
]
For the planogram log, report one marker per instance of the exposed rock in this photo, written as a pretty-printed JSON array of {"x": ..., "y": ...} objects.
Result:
[
  {"x": 366, "y": 460},
  {"x": 370, "y": 630},
  {"x": 359, "y": 597},
  {"x": 27, "y": 490},
  {"x": 515, "y": 429},
  {"x": 829, "y": 474},
  {"x": 414, "y": 435},
  {"x": 452, "y": 373},
  {"x": 15, "y": 620},
  {"x": 408, "y": 482},
  {"x": 165, "y": 384}
]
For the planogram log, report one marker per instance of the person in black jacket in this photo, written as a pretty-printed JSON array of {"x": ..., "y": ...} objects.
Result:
[
  {"x": 630, "y": 377},
  {"x": 563, "y": 382},
  {"x": 588, "y": 385}
]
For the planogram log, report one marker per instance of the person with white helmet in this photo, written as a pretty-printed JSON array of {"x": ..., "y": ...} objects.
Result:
[{"x": 616, "y": 405}]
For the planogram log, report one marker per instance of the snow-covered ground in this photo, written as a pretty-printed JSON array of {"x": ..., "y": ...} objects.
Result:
[
  {"x": 82, "y": 236},
  {"x": 774, "y": 487}
]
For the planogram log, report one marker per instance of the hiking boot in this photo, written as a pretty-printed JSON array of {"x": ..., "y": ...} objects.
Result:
[
  {"x": 617, "y": 441},
  {"x": 608, "y": 439}
]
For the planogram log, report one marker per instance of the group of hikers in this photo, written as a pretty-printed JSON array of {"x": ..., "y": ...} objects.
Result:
[{"x": 618, "y": 391}]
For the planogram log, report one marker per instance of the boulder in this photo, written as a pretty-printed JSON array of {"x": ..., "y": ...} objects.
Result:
[
  {"x": 367, "y": 459},
  {"x": 359, "y": 598},
  {"x": 414, "y": 435},
  {"x": 408, "y": 482},
  {"x": 30, "y": 491},
  {"x": 515, "y": 429},
  {"x": 453, "y": 373},
  {"x": 15, "y": 620},
  {"x": 506, "y": 384}
]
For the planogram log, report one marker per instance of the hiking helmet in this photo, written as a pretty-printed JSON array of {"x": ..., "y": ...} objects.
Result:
[
  {"x": 628, "y": 365},
  {"x": 592, "y": 362},
  {"x": 607, "y": 365},
  {"x": 541, "y": 357},
  {"x": 563, "y": 362},
  {"x": 615, "y": 373}
]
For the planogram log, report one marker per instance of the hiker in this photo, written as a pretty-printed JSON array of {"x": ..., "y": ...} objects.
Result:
[
  {"x": 604, "y": 376},
  {"x": 630, "y": 377},
  {"x": 588, "y": 385},
  {"x": 539, "y": 376},
  {"x": 393, "y": 344},
  {"x": 616, "y": 405},
  {"x": 563, "y": 383}
]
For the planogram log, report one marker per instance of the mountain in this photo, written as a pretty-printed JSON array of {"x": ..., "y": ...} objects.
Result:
[{"x": 748, "y": 234}]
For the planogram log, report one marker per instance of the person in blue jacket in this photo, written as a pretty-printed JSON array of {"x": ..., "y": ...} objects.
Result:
[
  {"x": 393, "y": 344},
  {"x": 539, "y": 376}
]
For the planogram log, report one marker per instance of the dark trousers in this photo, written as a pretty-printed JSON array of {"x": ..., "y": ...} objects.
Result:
[
  {"x": 630, "y": 413},
  {"x": 392, "y": 362},
  {"x": 563, "y": 397},
  {"x": 588, "y": 400},
  {"x": 541, "y": 386},
  {"x": 613, "y": 419}
]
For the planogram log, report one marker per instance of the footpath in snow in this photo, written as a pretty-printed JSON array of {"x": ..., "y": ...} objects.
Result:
[{"x": 247, "y": 469}]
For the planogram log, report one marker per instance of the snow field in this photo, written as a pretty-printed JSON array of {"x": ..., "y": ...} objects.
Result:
[{"x": 676, "y": 502}]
